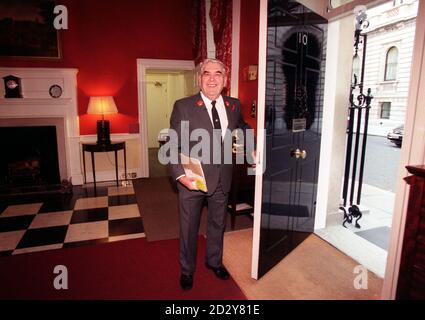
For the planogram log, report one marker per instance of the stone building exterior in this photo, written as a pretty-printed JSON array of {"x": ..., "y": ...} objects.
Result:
[{"x": 388, "y": 62}]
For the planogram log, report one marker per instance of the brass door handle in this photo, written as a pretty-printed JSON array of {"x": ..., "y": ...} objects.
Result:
[{"x": 297, "y": 153}]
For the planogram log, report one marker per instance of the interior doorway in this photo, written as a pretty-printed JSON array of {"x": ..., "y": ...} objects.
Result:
[
  {"x": 163, "y": 88},
  {"x": 160, "y": 83}
]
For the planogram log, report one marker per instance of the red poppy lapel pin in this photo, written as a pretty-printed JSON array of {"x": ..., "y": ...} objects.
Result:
[
  {"x": 227, "y": 103},
  {"x": 200, "y": 103}
]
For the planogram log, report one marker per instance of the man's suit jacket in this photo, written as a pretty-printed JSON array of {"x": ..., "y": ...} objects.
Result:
[{"x": 193, "y": 110}]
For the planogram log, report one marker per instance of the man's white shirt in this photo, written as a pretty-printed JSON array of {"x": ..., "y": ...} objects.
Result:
[{"x": 221, "y": 109}]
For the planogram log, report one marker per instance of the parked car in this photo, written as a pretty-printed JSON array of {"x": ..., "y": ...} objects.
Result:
[{"x": 396, "y": 136}]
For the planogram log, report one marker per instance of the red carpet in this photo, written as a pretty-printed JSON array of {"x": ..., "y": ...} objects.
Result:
[{"x": 131, "y": 269}]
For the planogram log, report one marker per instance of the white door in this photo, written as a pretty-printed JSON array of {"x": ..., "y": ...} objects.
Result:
[{"x": 158, "y": 108}]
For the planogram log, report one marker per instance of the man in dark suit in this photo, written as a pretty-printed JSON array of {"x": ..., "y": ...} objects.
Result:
[{"x": 214, "y": 113}]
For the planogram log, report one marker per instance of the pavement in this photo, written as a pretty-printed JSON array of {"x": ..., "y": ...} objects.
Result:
[{"x": 367, "y": 245}]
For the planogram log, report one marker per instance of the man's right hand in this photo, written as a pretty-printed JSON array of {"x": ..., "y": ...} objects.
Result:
[{"x": 188, "y": 182}]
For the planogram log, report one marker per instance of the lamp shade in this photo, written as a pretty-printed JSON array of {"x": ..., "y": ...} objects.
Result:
[{"x": 102, "y": 105}]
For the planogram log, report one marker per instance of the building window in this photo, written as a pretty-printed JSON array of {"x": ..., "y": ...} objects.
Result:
[
  {"x": 356, "y": 69},
  {"x": 385, "y": 110},
  {"x": 391, "y": 64}
]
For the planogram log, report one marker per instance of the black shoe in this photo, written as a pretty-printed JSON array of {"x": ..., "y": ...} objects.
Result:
[
  {"x": 221, "y": 272},
  {"x": 186, "y": 281}
]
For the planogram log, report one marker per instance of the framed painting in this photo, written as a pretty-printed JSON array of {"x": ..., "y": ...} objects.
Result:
[{"x": 26, "y": 29}]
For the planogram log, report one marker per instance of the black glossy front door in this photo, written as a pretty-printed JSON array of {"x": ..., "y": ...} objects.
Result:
[{"x": 294, "y": 104}]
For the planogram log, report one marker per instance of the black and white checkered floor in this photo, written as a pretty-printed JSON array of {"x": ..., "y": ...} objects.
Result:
[{"x": 53, "y": 221}]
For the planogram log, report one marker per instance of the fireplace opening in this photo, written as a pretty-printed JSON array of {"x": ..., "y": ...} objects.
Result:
[{"x": 29, "y": 157}]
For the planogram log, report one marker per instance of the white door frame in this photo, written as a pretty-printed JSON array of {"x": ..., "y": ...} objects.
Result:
[
  {"x": 142, "y": 66},
  {"x": 261, "y": 106},
  {"x": 412, "y": 153}
]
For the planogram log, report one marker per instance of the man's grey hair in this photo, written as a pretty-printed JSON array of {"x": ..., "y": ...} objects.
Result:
[{"x": 211, "y": 60}]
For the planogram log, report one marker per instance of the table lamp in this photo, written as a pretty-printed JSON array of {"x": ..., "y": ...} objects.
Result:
[{"x": 102, "y": 105}]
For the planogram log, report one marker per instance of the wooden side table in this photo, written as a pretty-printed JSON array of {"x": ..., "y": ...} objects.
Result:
[
  {"x": 94, "y": 147},
  {"x": 241, "y": 193}
]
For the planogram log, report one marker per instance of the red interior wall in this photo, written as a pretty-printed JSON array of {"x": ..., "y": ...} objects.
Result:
[
  {"x": 103, "y": 41},
  {"x": 248, "y": 55}
]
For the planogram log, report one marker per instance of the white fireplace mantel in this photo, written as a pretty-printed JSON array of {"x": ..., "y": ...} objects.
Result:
[
  {"x": 38, "y": 104},
  {"x": 34, "y": 101}
]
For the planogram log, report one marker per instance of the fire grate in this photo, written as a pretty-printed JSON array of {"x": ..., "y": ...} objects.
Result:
[{"x": 24, "y": 171}]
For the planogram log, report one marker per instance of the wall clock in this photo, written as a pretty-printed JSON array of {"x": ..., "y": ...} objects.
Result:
[{"x": 55, "y": 91}]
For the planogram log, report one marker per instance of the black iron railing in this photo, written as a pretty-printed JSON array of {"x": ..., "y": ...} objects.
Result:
[{"x": 358, "y": 102}]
